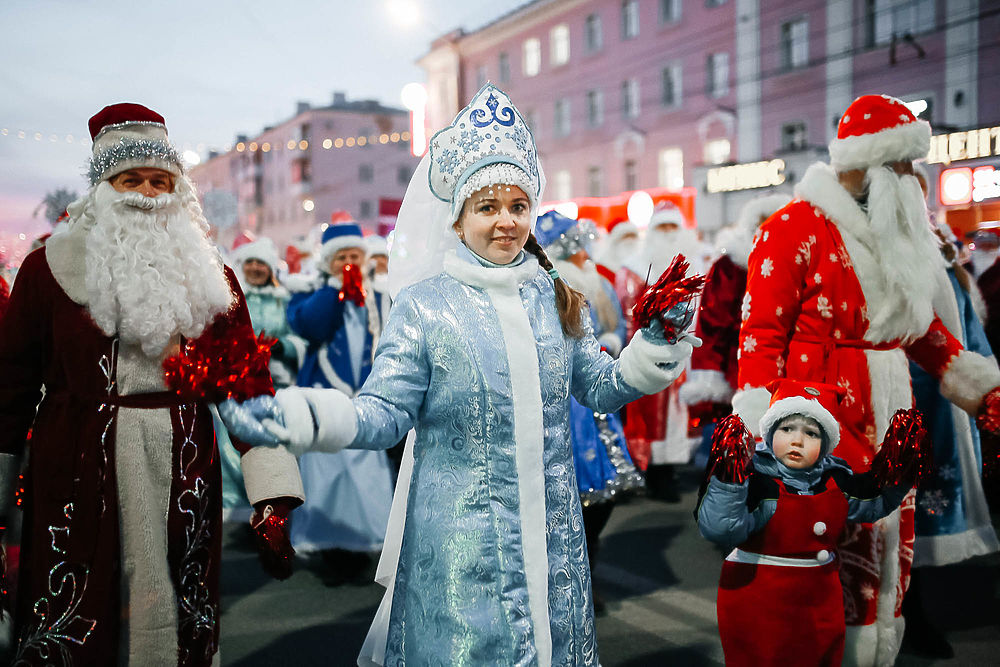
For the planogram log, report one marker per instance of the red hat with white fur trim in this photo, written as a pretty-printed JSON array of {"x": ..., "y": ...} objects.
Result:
[
  {"x": 877, "y": 129},
  {"x": 128, "y": 136},
  {"x": 811, "y": 399}
]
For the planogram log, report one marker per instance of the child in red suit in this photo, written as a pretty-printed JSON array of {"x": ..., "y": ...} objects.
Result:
[{"x": 784, "y": 507}]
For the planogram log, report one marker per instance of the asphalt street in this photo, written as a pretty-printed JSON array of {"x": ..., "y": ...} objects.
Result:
[{"x": 656, "y": 573}]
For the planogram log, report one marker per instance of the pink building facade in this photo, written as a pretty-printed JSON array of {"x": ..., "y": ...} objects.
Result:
[
  {"x": 630, "y": 94},
  {"x": 290, "y": 178}
]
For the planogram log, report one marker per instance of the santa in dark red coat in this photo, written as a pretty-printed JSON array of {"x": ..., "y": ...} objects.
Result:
[
  {"x": 122, "y": 506},
  {"x": 839, "y": 292}
]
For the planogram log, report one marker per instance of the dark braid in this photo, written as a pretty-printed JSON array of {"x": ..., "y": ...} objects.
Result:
[{"x": 569, "y": 302}]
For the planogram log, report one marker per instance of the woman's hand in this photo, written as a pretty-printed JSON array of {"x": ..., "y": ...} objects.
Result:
[{"x": 650, "y": 364}]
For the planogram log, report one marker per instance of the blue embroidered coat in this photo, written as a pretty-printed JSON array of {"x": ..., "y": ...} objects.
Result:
[{"x": 493, "y": 565}]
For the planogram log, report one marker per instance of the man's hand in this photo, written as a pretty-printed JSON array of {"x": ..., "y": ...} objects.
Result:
[
  {"x": 246, "y": 420},
  {"x": 270, "y": 528},
  {"x": 731, "y": 459}
]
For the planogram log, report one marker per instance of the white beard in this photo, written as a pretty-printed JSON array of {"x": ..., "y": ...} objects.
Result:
[
  {"x": 661, "y": 247},
  {"x": 908, "y": 248},
  {"x": 151, "y": 271}
]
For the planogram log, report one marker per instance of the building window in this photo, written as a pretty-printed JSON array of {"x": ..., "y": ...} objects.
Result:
[
  {"x": 671, "y": 94},
  {"x": 885, "y": 18},
  {"x": 717, "y": 151},
  {"x": 403, "y": 174},
  {"x": 595, "y": 108},
  {"x": 714, "y": 3},
  {"x": 717, "y": 75},
  {"x": 630, "y": 19},
  {"x": 532, "y": 57},
  {"x": 503, "y": 67},
  {"x": 794, "y": 44},
  {"x": 531, "y": 120},
  {"x": 670, "y": 11},
  {"x": 593, "y": 33},
  {"x": 559, "y": 44},
  {"x": 595, "y": 182},
  {"x": 631, "y": 175},
  {"x": 481, "y": 76},
  {"x": 671, "y": 168},
  {"x": 793, "y": 136},
  {"x": 564, "y": 185},
  {"x": 366, "y": 173},
  {"x": 560, "y": 122},
  {"x": 365, "y": 209},
  {"x": 630, "y": 98}
]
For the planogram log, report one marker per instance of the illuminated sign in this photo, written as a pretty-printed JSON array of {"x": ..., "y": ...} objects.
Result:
[
  {"x": 746, "y": 176},
  {"x": 948, "y": 148},
  {"x": 963, "y": 185}
]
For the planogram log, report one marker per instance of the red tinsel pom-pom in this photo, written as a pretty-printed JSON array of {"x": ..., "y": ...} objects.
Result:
[
  {"x": 273, "y": 547},
  {"x": 353, "y": 289},
  {"x": 670, "y": 300},
  {"x": 988, "y": 416},
  {"x": 731, "y": 459},
  {"x": 905, "y": 456},
  {"x": 214, "y": 369}
]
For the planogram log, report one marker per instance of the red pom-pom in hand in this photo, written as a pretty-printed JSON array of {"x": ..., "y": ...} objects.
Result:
[
  {"x": 731, "y": 459},
  {"x": 353, "y": 289},
  {"x": 905, "y": 456},
  {"x": 669, "y": 301},
  {"x": 210, "y": 368},
  {"x": 270, "y": 528},
  {"x": 988, "y": 415}
]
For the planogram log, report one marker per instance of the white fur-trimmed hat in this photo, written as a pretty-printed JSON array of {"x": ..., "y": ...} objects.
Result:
[
  {"x": 337, "y": 237},
  {"x": 877, "y": 129},
  {"x": 811, "y": 399},
  {"x": 619, "y": 229},
  {"x": 129, "y": 136},
  {"x": 666, "y": 212},
  {"x": 376, "y": 245},
  {"x": 262, "y": 249}
]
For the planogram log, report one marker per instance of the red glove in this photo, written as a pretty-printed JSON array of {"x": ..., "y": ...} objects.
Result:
[
  {"x": 731, "y": 459},
  {"x": 270, "y": 527},
  {"x": 988, "y": 415},
  {"x": 905, "y": 456}
]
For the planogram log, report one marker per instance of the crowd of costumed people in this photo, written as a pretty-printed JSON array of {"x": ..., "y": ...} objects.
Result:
[{"x": 469, "y": 399}]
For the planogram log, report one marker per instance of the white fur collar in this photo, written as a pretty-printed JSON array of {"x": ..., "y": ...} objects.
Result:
[
  {"x": 820, "y": 187},
  {"x": 303, "y": 282},
  {"x": 277, "y": 291},
  {"x": 478, "y": 275},
  {"x": 65, "y": 254}
]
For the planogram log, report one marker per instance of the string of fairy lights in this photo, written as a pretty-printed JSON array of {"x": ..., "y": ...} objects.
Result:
[{"x": 327, "y": 143}]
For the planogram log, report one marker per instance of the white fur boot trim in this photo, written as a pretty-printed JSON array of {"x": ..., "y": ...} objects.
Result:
[
  {"x": 650, "y": 367},
  {"x": 271, "y": 472},
  {"x": 751, "y": 404},
  {"x": 705, "y": 385},
  {"x": 317, "y": 420},
  {"x": 968, "y": 378}
]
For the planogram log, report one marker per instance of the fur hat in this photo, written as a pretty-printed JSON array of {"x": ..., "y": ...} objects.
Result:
[
  {"x": 130, "y": 136},
  {"x": 337, "y": 237},
  {"x": 666, "y": 212},
  {"x": 376, "y": 245},
  {"x": 815, "y": 400},
  {"x": 262, "y": 249},
  {"x": 877, "y": 129},
  {"x": 616, "y": 230}
]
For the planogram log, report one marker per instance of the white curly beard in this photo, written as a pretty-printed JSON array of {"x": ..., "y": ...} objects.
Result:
[{"x": 151, "y": 271}]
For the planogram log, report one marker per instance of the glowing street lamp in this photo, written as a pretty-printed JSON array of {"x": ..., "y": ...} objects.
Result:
[
  {"x": 640, "y": 208},
  {"x": 414, "y": 97}
]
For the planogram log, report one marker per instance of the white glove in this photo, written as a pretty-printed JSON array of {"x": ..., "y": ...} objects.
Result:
[
  {"x": 316, "y": 420},
  {"x": 651, "y": 367}
]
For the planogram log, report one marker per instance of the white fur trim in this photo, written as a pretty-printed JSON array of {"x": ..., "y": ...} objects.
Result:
[
  {"x": 650, "y": 367},
  {"x": 271, "y": 472},
  {"x": 298, "y": 283},
  {"x": 750, "y": 215},
  {"x": 526, "y": 396},
  {"x": 612, "y": 342},
  {"x": 936, "y": 550},
  {"x": 888, "y": 626},
  {"x": 65, "y": 254},
  {"x": 705, "y": 385},
  {"x": 300, "y": 346},
  {"x": 908, "y": 141},
  {"x": 968, "y": 378},
  {"x": 750, "y": 404},
  {"x": 277, "y": 291},
  {"x": 332, "y": 412},
  {"x": 889, "y": 375},
  {"x": 262, "y": 249},
  {"x": 337, "y": 382},
  {"x": 819, "y": 186},
  {"x": 300, "y": 431},
  {"x": 330, "y": 248},
  {"x": 736, "y": 244},
  {"x": 10, "y": 467},
  {"x": 484, "y": 277},
  {"x": 860, "y": 642},
  {"x": 800, "y": 405}
]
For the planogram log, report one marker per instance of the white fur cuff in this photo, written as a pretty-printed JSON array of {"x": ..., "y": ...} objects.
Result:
[
  {"x": 705, "y": 385},
  {"x": 968, "y": 378},
  {"x": 271, "y": 472},
  {"x": 10, "y": 466},
  {"x": 750, "y": 405},
  {"x": 650, "y": 367},
  {"x": 318, "y": 420}
]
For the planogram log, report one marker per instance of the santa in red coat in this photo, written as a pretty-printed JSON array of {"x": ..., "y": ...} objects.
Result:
[
  {"x": 122, "y": 505},
  {"x": 838, "y": 291}
]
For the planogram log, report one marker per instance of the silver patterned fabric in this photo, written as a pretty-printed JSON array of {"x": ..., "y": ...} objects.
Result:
[{"x": 461, "y": 592}]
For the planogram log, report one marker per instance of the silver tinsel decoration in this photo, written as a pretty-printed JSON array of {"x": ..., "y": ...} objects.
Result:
[
  {"x": 628, "y": 480},
  {"x": 132, "y": 150},
  {"x": 579, "y": 237}
]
